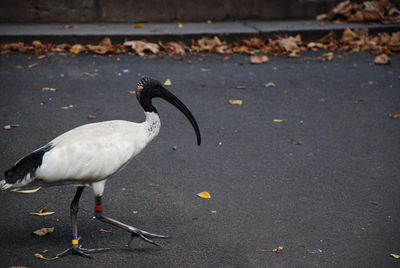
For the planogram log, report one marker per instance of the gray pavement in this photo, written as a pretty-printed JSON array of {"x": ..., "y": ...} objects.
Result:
[
  {"x": 94, "y": 32},
  {"x": 332, "y": 201}
]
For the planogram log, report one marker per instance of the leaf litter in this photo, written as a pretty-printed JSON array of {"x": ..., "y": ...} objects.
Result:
[
  {"x": 275, "y": 250},
  {"x": 30, "y": 191},
  {"x": 205, "y": 195},
  {"x": 257, "y": 48},
  {"x": 43, "y": 212},
  {"x": 43, "y": 231}
]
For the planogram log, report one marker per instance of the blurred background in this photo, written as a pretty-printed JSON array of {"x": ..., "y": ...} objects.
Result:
[{"x": 159, "y": 10}]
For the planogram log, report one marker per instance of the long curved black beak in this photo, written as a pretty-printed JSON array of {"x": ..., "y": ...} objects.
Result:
[{"x": 171, "y": 98}]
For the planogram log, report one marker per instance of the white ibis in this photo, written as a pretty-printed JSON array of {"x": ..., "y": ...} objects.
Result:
[{"x": 90, "y": 154}]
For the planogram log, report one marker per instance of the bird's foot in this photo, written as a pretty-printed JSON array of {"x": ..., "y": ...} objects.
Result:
[
  {"x": 79, "y": 250},
  {"x": 146, "y": 236}
]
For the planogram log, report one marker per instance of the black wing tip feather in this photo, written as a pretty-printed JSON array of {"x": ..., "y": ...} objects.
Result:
[{"x": 27, "y": 164}]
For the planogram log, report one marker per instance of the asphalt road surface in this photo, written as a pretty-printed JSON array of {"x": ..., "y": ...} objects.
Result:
[{"x": 323, "y": 184}]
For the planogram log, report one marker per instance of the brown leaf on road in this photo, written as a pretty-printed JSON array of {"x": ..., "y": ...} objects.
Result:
[
  {"x": 235, "y": 102},
  {"x": 140, "y": 47},
  {"x": 204, "y": 70},
  {"x": 382, "y": 59},
  {"x": 327, "y": 56},
  {"x": 40, "y": 256},
  {"x": 289, "y": 43},
  {"x": 394, "y": 255},
  {"x": 48, "y": 89},
  {"x": 348, "y": 35},
  {"x": 241, "y": 87},
  {"x": 275, "y": 250},
  {"x": 8, "y": 127},
  {"x": 91, "y": 117},
  {"x": 176, "y": 48},
  {"x": 104, "y": 231},
  {"x": 43, "y": 231},
  {"x": 42, "y": 57},
  {"x": 295, "y": 142},
  {"x": 30, "y": 191},
  {"x": 77, "y": 48},
  {"x": 27, "y": 66},
  {"x": 258, "y": 59},
  {"x": 395, "y": 116},
  {"x": 322, "y": 17},
  {"x": 139, "y": 25},
  {"x": 43, "y": 212},
  {"x": 89, "y": 74}
]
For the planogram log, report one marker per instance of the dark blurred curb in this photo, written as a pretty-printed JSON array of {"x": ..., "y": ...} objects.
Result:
[{"x": 231, "y": 31}]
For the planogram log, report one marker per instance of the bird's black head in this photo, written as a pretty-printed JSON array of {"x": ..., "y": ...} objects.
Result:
[{"x": 149, "y": 88}]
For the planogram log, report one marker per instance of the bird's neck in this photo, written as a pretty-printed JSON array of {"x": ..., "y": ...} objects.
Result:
[{"x": 152, "y": 124}]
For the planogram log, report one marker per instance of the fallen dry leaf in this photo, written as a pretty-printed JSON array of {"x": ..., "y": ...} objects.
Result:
[
  {"x": 44, "y": 231},
  {"x": 289, "y": 44},
  {"x": 241, "y": 87},
  {"x": 204, "y": 70},
  {"x": 8, "y": 127},
  {"x": 275, "y": 250},
  {"x": 395, "y": 116},
  {"x": 77, "y": 48},
  {"x": 394, "y": 255},
  {"x": 40, "y": 256},
  {"x": 27, "y": 66},
  {"x": 89, "y": 74},
  {"x": 258, "y": 59},
  {"x": 327, "y": 56},
  {"x": 295, "y": 142},
  {"x": 179, "y": 25},
  {"x": 168, "y": 82},
  {"x": 103, "y": 231},
  {"x": 31, "y": 191},
  {"x": 42, "y": 57},
  {"x": 278, "y": 249},
  {"x": 139, "y": 25},
  {"x": 235, "y": 102},
  {"x": 91, "y": 116},
  {"x": 270, "y": 84},
  {"x": 43, "y": 212},
  {"x": 48, "y": 89},
  {"x": 140, "y": 47},
  {"x": 69, "y": 26},
  {"x": 382, "y": 59},
  {"x": 205, "y": 195}
]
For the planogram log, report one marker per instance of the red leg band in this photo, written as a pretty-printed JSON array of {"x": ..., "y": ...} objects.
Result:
[{"x": 99, "y": 208}]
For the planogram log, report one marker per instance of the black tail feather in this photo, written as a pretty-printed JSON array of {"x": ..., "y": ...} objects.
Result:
[{"x": 28, "y": 164}]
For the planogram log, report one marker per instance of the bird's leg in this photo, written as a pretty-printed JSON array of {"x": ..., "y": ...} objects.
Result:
[
  {"x": 77, "y": 249},
  {"x": 135, "y": 232}
]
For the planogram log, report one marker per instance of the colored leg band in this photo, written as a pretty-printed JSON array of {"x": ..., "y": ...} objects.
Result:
[
  {"x": 75, "y": 241},
  {"x": 74, "y": 237},
  {"x": 99, "y": 208}
]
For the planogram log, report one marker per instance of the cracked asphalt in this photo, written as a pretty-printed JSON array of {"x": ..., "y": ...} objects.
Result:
[{"x": 330, "y": 201}]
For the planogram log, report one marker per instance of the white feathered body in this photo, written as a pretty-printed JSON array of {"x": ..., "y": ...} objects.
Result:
[{"x": 92, "y": 152}]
